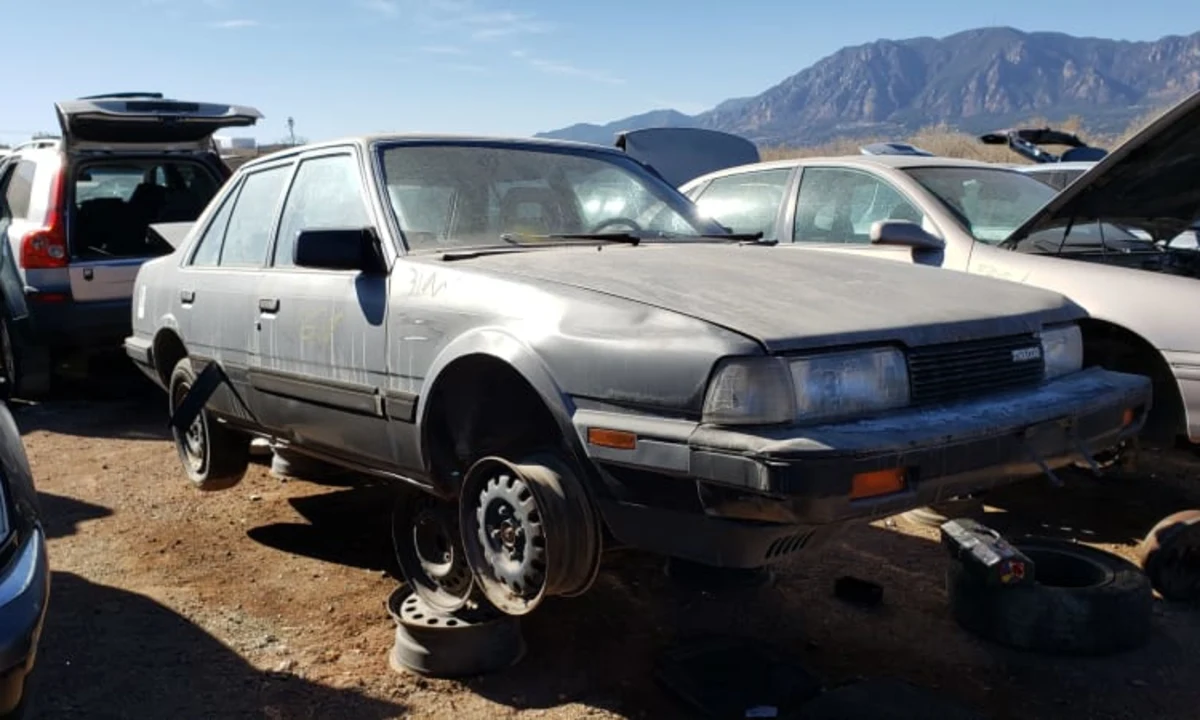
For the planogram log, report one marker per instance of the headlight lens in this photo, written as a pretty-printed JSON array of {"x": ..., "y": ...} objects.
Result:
[
  {"x": 850, "y": 384},
  {"x": 1062, "y": 350},
  {"x": 763, "y": 391}
]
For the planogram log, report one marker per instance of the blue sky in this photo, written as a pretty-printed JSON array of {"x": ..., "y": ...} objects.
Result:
[{"x": 489, "y": 66}]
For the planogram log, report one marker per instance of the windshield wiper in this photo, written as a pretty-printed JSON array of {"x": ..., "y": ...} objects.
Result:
[
  {"x": 755, "y": 238},
  {"x": 515, "y": 239}
]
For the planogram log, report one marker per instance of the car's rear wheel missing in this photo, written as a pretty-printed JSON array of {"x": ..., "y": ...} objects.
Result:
[
  {"x": 529, "y": 531},
  {"x": 213, "y": 456}
]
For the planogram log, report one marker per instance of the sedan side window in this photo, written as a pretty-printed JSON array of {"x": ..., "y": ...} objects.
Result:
[
  {"x": 326, "y": 194},
  {"x": 248, "y": 237},
  {"x": 839, "y": 205},
  {"x": 747, "y": 202},
  {"x": 208, "y": 247}
]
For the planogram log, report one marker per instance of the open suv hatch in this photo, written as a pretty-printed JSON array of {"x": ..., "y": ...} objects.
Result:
[{"x": 75, "y": 213}]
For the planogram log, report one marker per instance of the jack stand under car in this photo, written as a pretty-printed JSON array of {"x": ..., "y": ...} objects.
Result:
[{"x": 1045, "y": 595}]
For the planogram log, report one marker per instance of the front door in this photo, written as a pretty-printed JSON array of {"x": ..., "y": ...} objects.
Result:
[{"x": 322, "y": 360}]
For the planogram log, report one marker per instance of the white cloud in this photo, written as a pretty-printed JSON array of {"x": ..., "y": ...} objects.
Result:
[
  {"x": 384, "y": 7},
  {"x": 461, "y": 18},
  {"x": 560, "y": 67},
  {"x": 234, "y": 24}
]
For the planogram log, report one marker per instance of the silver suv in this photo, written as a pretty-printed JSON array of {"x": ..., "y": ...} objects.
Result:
[{"x": 75, "y": 211}]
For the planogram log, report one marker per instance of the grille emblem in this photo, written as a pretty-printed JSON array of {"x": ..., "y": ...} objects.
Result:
[{"x": 1026, "y": 354}]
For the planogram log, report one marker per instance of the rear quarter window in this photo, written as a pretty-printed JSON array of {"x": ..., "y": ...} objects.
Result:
[{"x": 18, "y": 190}]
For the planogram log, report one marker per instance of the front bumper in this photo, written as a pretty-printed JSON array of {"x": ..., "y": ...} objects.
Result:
[
  {"x": 765, "y": 492},
  {"x": 24, "y": 594}
]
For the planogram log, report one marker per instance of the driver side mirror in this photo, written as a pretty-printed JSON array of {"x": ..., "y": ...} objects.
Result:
[
  {"x": 340, "y": 249},
  {"x": 905, "y": 234}
]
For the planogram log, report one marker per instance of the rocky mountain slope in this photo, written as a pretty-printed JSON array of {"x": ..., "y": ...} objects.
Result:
[{"x": 974, "y": 80}]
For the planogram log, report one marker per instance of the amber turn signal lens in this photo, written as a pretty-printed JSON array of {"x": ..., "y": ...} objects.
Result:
[
  {"x": 1127, "y": 417},
  {"x": 616, "y": 439},
  {"x": 877, "y": 482}
]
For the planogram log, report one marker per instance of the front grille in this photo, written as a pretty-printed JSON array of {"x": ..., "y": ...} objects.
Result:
[{"x": 954, "y": 371}]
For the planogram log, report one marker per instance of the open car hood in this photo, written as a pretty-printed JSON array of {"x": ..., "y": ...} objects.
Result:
[
  {"x": 682, "y": 154},
  {"x": 147, "y": 118},
  {"x": 1150, "y": 182},
  {"x": 1027, "y": 143}
]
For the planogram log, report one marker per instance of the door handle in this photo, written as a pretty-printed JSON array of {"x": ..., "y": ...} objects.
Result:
[
  {"x": 187, "y": 296},
  {"x": 268, "y": 305}
]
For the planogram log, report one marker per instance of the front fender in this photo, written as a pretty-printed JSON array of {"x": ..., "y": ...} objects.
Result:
[{"x": 502, "y": 345}]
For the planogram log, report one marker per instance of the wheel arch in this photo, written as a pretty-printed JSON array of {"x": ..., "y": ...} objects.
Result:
[
  {"x": 166, "y": 350},
  {"x": 472, "y": 359}
]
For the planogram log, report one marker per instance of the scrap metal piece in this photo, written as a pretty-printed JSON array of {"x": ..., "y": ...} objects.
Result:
[{"x": 986, "y": 555}]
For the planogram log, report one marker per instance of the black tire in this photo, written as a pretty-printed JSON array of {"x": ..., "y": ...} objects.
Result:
[
  {"x": 213, "y": 456},
  {"x": 1084, "y": 602}
]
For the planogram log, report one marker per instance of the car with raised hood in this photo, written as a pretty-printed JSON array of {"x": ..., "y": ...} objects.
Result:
[
  {"x": 1103, "y": 240},
  {"x": 73, "y": 217},
  {"x": 556, "y": 375}
]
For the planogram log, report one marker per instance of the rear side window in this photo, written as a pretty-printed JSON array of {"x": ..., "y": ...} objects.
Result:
[
  {"x": 19, "y": 192},
  {"x": 248, "y": 237},
  {"x": 326, "y": 194},
  {"x": 746, "y": 202}
]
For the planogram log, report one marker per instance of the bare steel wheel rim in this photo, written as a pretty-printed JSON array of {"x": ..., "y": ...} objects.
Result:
[
  {"x": 529, "y": 531},
  {"x": 426, "y": 542},
  {"x": 193, "y": 442}
]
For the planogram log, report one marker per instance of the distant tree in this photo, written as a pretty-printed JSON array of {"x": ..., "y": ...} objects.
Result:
[{"x": 43, "y": 135}]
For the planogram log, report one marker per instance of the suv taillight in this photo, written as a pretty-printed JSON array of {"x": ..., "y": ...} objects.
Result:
[{"x": 46, "y": 247}]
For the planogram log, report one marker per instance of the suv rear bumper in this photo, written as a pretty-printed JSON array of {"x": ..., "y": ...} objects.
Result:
[
  {"x": 70, "y": 324},
  {"x": 764, "y": 492}
]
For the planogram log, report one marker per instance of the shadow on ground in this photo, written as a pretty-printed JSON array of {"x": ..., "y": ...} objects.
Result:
[
  {"x": 350, "y": 527},
  {"x": 62, "y": 515},
  {"x": 171, "y": 667}
]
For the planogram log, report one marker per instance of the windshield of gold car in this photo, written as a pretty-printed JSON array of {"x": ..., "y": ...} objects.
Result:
[
  {"x": 481, "y": 194},
  {"x": 992, "y": 204}
]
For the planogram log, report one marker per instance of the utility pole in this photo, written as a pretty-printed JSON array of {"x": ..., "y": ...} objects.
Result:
[{"x": 291, "y": 123}]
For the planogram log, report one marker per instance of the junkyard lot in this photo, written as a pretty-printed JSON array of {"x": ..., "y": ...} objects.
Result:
[{"x": 268, "y": 600}]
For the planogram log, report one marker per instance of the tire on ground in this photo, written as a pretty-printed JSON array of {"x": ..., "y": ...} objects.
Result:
[
  {"x": 220, "y": 459},
  {"x": 1084, "y": 602}
]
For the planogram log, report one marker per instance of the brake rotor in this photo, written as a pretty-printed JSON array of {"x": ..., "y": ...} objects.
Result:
[
  {"x": 1170, "y": 556},
  {"x": 472, "y": 641},
  {"x": 529, "y": 531},
  {"x": 426, "y": 540}
]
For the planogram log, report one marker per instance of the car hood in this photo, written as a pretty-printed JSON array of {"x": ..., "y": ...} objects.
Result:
[
  {"x": 1148, "y": 182},
  {"x": 794, "y": 301}
]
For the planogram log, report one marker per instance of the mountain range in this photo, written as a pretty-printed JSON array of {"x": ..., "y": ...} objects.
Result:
[{"x": 975, "y": 81}]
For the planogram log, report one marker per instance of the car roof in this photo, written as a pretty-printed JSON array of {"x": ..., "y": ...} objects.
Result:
[
  {"x": 385, "y": 138},
  {"x": 863, "y": 161}
]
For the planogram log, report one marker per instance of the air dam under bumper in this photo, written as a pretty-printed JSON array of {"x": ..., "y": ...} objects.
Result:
[{"x": 766, "y": 492}]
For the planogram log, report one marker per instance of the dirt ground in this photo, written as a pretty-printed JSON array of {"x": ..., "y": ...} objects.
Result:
[{"x": 267, "y": 600}]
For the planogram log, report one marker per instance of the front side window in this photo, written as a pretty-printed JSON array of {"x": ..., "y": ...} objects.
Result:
[
  {"x": 467, "y": 195},
  {"x": 747, "y": 202},
  {"x": 248, "y": 237},
  {"x": 839, "y": 205},
  {"x": 326, "y": 194}
]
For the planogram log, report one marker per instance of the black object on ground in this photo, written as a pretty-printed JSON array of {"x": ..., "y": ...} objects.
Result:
[
  {"x": 857, "y": 591},
  {"x": 985, "y": 556},
  {"x": 1170, "y": 556},
  {"x": 1083, "y": 601},
  {"x": 465, "y": 643},
  {"x": 696, "y": 576},
  {"x": 883, "y": 699},
  {"x": 729, "y": 677}
]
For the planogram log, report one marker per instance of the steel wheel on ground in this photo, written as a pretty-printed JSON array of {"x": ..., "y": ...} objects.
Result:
[
  {"x": 529, "y": 531},
  {"x": 213, "y": 456},
  {"x": 428, "y": 547}
]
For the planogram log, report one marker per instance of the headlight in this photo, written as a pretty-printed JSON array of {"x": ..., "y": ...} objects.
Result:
[
  {"x": 1062, "y": 350},
  {"x": 762, "y": 391}
]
